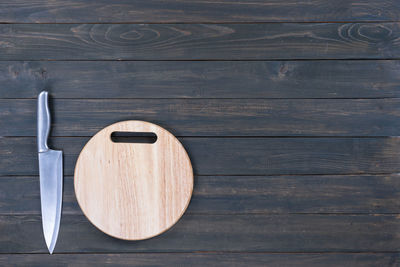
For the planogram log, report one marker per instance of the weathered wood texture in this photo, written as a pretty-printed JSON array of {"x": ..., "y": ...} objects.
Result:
[
  {"x": 201, "y": 79},
  {"x": 197, "y": 11},
  {"x": 199, "y": 41},
  {"x": 212, "y": 117},
  {"x": 243, "y": 194},
  {"x": 288, "y": 125},
  {"x": 205, "y": 259},
  {"x": 233, "y": 233},
  {"x": 238, "y": 156}
]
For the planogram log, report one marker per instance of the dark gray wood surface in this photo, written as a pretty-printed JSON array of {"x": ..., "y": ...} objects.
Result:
[
  {"x": 202, "y": 79},
  {"x": 289, "y": 111},
  {"x": 213, "y": 117},
  {"x": 238, "y": 156},
  {"x": 275, "y": 194},
  {"x": 209, "y": 232},
  {"x": 98, "y": 11},
  {"x": 263, "y": 41},
  {"x": 204, "y": 259}
]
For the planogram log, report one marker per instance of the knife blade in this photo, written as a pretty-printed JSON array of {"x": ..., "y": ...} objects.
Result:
[{"x": 51, "y": 175}]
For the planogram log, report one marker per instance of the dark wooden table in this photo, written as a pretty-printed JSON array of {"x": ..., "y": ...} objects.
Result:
[{"x": 288, "y": 109}]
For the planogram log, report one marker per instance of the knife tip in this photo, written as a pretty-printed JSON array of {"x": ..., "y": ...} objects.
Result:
[
  {"x": 51, "y": 243},
  {"x": 51, "y": 248}
]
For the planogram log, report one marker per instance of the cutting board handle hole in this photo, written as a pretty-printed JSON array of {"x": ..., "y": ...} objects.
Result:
[{"x": 134, "y": 137}]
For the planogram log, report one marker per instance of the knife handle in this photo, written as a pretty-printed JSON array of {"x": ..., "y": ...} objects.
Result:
[{"x": 43, "y": 121}]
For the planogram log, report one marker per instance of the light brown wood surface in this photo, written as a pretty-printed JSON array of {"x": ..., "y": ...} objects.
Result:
[{"x": 133, "y": 191}]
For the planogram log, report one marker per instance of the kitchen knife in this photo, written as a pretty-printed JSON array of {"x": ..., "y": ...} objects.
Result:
[{"x": 51, "y": 175}]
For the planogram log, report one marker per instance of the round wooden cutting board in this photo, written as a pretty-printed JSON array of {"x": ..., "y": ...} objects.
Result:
[{"x": 133, "y": 191}]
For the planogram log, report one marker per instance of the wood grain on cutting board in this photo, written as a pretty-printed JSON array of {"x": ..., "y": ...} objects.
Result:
[{"x": 133, "y": 191}]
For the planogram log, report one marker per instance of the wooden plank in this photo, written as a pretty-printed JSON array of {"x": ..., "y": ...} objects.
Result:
[
  {"x": 199, "y": 41},
  {"x": 233, "y": 233},
  {"x": 243, "y": 194},
  {"x": 197, "y": 11},
  {"x": 212, "y": 117},
  {"x": 296, "y": 194},
  {"x": 204, "y": 259},
  {"x": 201, "y": 79},
  {"x": 237, "y": 156}
]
